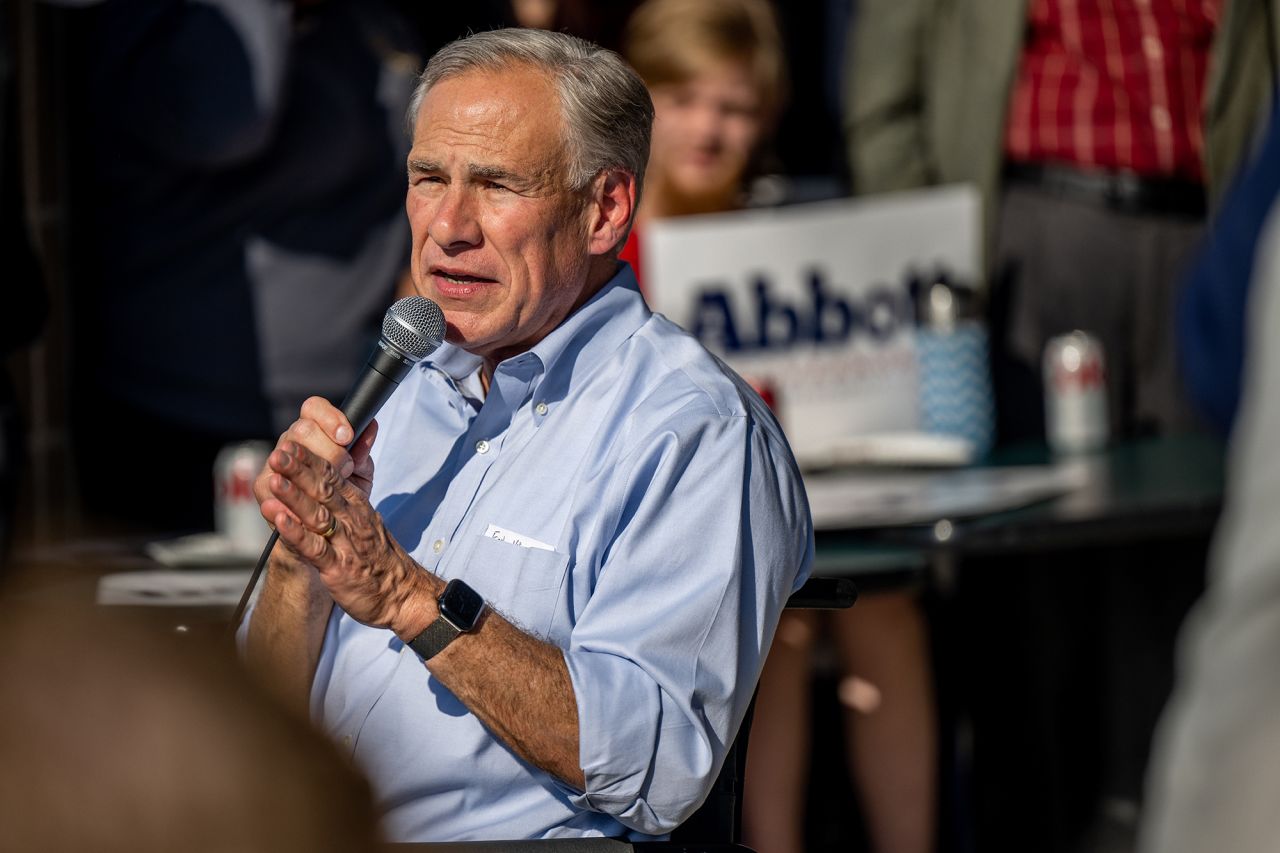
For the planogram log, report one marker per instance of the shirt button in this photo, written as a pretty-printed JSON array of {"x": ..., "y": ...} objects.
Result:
[
  {"x": 541, "y": 408},
  {"x": 346, "y": 741},
  {"x": 482, "y": 446},
  {"x": 437, "y": 546},
  {"x": 1160, "y": 118},
  {"x": 1151, "y": 47}
]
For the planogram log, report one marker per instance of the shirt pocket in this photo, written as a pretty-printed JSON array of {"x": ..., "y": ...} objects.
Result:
[{"x": 523, "y": 584}]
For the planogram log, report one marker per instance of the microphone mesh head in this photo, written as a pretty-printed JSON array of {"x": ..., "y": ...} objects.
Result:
[{"x": 414, "y": 325}]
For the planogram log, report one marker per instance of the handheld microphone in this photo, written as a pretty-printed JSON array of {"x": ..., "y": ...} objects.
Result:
[{"x": 411, "y": 330}]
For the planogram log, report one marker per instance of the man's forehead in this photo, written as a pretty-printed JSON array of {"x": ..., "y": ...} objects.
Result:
[
  {"x": 490, "y": 119},
  {"x": 507, "y": 95}
]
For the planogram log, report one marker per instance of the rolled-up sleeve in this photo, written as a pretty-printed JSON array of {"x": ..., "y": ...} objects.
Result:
[{"x": 712, "y": 534}]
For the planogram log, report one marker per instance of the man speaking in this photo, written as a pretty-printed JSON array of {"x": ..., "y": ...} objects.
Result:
[{"x": 545, "y": 616}]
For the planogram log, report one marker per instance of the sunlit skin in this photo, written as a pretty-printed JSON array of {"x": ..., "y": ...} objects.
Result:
[
  {"x": 705, "y": 132},
  {"x": 498, "y": 235}
]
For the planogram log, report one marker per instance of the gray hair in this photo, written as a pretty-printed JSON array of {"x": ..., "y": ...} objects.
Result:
[{"x": 606, "y": 107}]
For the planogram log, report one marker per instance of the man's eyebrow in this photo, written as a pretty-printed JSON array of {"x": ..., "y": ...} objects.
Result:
[
  {"x": 492, "y": 173},
  {"x": 474, "y": 170}
]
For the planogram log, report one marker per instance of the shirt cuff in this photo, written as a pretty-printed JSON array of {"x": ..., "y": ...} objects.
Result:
[{"x": 624, "y": 730}]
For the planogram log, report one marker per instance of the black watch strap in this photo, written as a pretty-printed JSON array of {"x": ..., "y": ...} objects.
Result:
[{"x": 433, "y": 640}]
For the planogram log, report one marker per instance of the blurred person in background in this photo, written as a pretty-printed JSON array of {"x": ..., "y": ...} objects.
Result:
[
  {"x": 25, "y": 303},
  {"x": 1096, "y": 133},
  {"x": 717, "y": 74},
  {"x": 1099, "y": 135},
  {"x": 116, "y": 738},
  {"x": 238, "y": 230},
  {"x": 1213, "y": 307},
  {"x": 1216, "y": 760},
  {"x": 598, "y": 21}
]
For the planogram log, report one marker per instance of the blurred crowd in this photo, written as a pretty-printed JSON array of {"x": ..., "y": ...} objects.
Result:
[{"x": 229, "y": 227}]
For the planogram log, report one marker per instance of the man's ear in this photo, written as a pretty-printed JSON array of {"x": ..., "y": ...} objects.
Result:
[{"x": 613, "y": 200}]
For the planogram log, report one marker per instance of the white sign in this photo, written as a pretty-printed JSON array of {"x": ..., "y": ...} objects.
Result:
[{"x": 813, "y": 302}]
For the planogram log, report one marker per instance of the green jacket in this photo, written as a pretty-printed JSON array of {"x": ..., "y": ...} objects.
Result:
[{"x": 927, "y": 84}]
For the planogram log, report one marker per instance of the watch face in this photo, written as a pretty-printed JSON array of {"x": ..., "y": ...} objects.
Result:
[{"x": 461, "y": 605}]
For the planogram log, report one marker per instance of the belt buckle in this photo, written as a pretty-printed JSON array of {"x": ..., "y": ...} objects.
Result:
[{"x": 1123, "y": 190}]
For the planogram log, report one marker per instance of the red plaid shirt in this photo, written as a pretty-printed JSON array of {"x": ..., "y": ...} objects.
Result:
[{"x": 1113, "y": 84}]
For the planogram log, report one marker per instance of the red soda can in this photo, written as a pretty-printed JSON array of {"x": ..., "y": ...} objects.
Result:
[
  {"x": 1075, "y": 390},
  {"x": 767, "y": 390},
  {"x": 235, "y": 510}
]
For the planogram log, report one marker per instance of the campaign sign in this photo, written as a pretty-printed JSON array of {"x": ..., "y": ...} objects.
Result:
[{"x": 813, "y": 303}]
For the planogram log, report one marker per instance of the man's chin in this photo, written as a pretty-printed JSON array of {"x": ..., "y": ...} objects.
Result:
[{"x": 466, "y": 339}]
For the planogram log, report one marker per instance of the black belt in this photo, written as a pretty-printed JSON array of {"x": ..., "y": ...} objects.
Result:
[{"x": 1124, "y": 192}]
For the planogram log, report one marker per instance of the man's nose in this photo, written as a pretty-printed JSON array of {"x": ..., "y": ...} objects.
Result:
[{"x": 453, "y": 223}]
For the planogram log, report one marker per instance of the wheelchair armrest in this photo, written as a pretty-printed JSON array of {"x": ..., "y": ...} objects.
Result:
[
  {"x": 563, "y": 845},
  {"x": 824, "y": 594}
]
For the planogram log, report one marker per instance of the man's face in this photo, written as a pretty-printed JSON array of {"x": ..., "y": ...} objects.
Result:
[
  {"x": 499, "y": 240},
  {"x": 705, "y": 130}
]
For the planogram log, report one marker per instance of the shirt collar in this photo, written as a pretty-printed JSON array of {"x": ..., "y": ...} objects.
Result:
[
  {"x": 453, "y": 361},
  {"x": 575, "y": 346}
]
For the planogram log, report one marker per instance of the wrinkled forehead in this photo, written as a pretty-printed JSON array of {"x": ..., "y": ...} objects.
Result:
[
  {"x": 516, "y": 83},
  {"x": 507, "y": 102}
]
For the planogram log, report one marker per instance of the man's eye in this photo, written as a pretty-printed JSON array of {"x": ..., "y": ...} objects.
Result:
[{"x": 493, "y": 185}]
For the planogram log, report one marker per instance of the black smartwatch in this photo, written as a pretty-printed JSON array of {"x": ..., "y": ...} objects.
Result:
[{"x": 460, "y": 610}]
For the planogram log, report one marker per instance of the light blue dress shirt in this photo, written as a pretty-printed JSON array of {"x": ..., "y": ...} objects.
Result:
[{"x": 619, "y": 493}]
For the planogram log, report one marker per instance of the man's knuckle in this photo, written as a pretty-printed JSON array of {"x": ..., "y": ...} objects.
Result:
[
  {"x": 314, "y": 405},
  {"x": 313, "y": 548},
  {"x": 327, "y": 488},
  {"x": 351, "y": 562}
]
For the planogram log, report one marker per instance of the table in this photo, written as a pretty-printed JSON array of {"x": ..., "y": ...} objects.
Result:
[
  {"x": 70, "y": 573},
  {"x": 1054, "y": 625},
  {"x": 1153, "y": 487}
]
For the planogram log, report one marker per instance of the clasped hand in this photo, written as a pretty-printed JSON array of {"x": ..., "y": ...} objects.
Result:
[{"x": 316, "y": 495}]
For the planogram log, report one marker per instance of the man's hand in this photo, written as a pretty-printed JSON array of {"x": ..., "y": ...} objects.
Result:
[
  {"x": 327, "y": 521},
  {"x": 287, "y": 629},
  {"x": 325, "y": 431}
]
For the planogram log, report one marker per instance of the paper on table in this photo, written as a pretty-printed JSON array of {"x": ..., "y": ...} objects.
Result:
[
  {"x": 174, "y": 588},
  {"x": 902, "y": 448},
  {"x": 201, "y": 550},
  {"x": 867, "y": 498}
]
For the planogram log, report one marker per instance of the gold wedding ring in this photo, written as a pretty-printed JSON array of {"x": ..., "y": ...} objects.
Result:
[{"x": 333, "y": 526}]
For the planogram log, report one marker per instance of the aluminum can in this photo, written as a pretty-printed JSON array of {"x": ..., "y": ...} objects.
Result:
[
  {"x": 767, "y": 390},
  {"x": 235, "y": 510},
  {"x": 1075, "y": 394}
]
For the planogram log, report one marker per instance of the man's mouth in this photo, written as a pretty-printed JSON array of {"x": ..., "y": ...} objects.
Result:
[{"x": 462, "y": 278}]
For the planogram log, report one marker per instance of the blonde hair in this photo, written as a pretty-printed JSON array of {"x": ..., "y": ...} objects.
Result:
[{"x": 672, "y": 41}]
